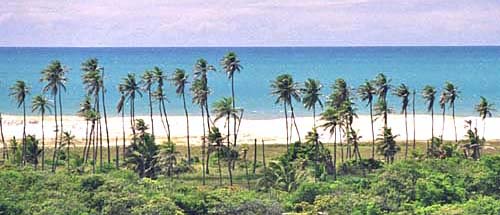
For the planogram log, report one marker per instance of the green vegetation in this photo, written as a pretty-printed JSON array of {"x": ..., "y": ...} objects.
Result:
[{"x": 147, "y": 176}]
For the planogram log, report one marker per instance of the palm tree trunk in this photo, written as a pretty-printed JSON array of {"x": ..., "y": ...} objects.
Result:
[
  {"x": 24, "y": 133},
  {"x": 341, "y": 145},
  {"x": 286, "y": 123},
  {"x": 414, "y": 128},
  {"x": 117, "y": 156},
  {"x": 67, "y": 154},
  {"x": 432, "y": 123},
  {"x": 229, "y": 168},
  {"x": 54, "y": 157},
  {"x": 207, "y": 169},
  {"x": 94, "y": 145},
  {"x": 5, "y": 151},
  {"x": 406, "y": 128},
  {"x": 294, "y": 122},
  {"x": 61, "y": 118},
  {"x": 106, "y": 122},
  {"x": 203, "y": 146},
  {"x": 151, "y": 112},
  {"x": 334, "y": 153},
  {"x": 254, "y": 155},
  {"x": 166, "y": 118},
  {"x": 99, "y": 128},
  {"x": 263, "y": 155},
  {"x": 123, "y": 134},
  {"x": 246, "y": 168},
  {"x": 86, "y": 138},
  {"x": 218, "y": 164},
  {"x": 454, "y": 124},
  {"x": 442, "y": 129},
  {"x": 187, "y": 127},
  {"x": 373, "y": 131},
  {"x": 43, "y": 142},
  {"x": 234, "y": 108},
  {"x": 228, "y": 130},
  {"x": 132, "y": 117},
  {"x": 314, "y": 115}
]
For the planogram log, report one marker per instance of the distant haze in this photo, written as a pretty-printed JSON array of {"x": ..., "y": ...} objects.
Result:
[{"x": 249, "y": 23}]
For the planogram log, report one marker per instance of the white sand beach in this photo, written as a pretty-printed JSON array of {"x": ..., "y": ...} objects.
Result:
[{"x": 270, "y": 130}]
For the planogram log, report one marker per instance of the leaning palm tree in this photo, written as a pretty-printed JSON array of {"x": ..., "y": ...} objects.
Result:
[
  {"x": 403, "y": 92},
  {"x": 366, "y": 92},
  {"x": 85, "y": 107},
  {"x": 485, "y": 109},
  {"x": 223, "y": 109},
  {"x": 55, "y": 76},
  {"x": 382, "y": 85},
  {"x": 130, "y": 89},
  {"x": 159, "y": 94},
  {"x": 231, "y": 64},
  {"x": 19, "y": 91},
  {"x": 200, "y": 98},
  {"x": 429, "y": 95},
  {"x": 200, "y": 71},
  {"x": 452, "y": 94},
  {"x": 147, "y": 82},
  {"x": 180, "y": 80},
  {"x": 311, "y": 96},
  {"x": 284, "y": 88},
  {"x": 42, "y": 105},
  {"x": 331, "y": 118}
]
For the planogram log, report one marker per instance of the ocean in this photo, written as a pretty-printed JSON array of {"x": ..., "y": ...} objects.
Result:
[{"x": 475, "y": 70}]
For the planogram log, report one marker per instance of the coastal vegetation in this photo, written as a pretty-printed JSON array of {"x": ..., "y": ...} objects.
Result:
[{"x": 148, "y": 176}]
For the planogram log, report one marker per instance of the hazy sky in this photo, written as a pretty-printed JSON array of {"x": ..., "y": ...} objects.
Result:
[{"x": 249, "y": 22}]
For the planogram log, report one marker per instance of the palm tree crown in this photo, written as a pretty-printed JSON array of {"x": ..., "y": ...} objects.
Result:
[
  {"x": 180, "y": 80},
  {"x": 130, "y": 87},
  {"x": 231, "y": 64},
  {"x": 366, "y": 91},
  {"x": 311, "y": 94},
  {"x": 284, "y": 88},
  {"x": 41, "y": 104},
  {"x": 485, "y": 108},
  {"x": 429, "y": 94},
  {"x": 403, "y": 92},
  {"x": 55, "y": 76},
  {"x": 224, "y": 108},
  {"x": 19, "y": 91}
]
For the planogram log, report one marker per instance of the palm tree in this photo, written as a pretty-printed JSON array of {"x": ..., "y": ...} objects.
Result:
[
  {"x": 201, "y": 69},
  {"x": 180, "y": 80},
  {"x": 231, "y": 64},
  {"x": 55, "y": 76},
  {"x": 382, "y": 85},
  {"x": 485, "y": 109},
  {"x": 160, "y": 78},
  {"x": 68, "y": 140},
  {"x": 147, "y": 82},
  {"x": 331, "y": 118},
  {"x": 403, "y": 92},
  {"x": 42, "y": 105},
  {"x": 429, "y": 94},
  {"x": 120, "y": 108},
  {"x": 85, "y": 108},
  {"x": 5, "y": 151},
  {"x": 443, "y": 99},
  {"x": 452, "y": 94},
  {"x": 92, "y": 80},
  {"x": 366, "y": 92},
  {"x": 223, "y": 108},
  {"x": 199, "y": 97},
  {"x": 387, "y": 145},
  {"x": 284, "y": 88},
  {"x": 130, "y": 89},
  {"x": 338, "y": 100},
  {"x": 311, "y": 96},
  {"x": 19, "y": 91}
]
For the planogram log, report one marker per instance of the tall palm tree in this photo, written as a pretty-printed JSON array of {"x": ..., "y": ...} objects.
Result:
[
  {"x": 284, "y": 88},
  {"x": 403, "y": 92},
  {"x": 340, "y": 100},
  {"x": 201, "y": 69},
  {"x": 311, "y": 96},
  {"x": 366, "y": 92},
  {"x": 485, "y": 109},
  {"x": 443, "y": 99},
  {"x": 42, "y": 105},
  {"x": 382, "y": 85},
  {"x": 231, "y": 64},
  {"x": 120, "y": 108},
  {"x": 130, "y": 89},
  {"x": 223, "y": 109},
  {"x": 429, "y": 95},
  {"x": 331, "y": 118},
  {"x": 55, "y": 76},
  {"x": 200, "y": 98},
  {"x": 180, "y": 80},
  {"x": 147, "y": 82},
  {"x": 85, "y": 107},
  {"x": 92, "y": 80},
  {"x": 452, "y": 94},
  {"x": 160, "y": 95},
  {"x": 19, "y": 91}
]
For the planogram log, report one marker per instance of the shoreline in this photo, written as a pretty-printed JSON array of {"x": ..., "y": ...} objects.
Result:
[{"x": 270, "y": 130}]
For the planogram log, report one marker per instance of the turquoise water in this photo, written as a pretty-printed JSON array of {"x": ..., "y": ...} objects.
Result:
[{"x": 476, "y": 70}]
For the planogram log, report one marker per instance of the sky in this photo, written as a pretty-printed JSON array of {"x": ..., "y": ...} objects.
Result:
[{"x": 134, "y": 23}]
